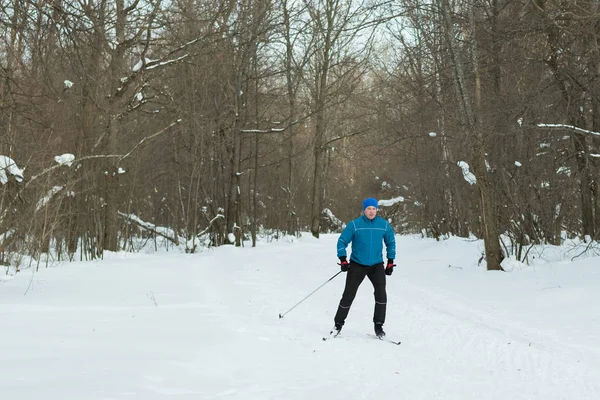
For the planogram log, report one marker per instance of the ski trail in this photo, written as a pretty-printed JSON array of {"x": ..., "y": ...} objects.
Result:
[
  {"x": 465, "y": 337},
  {"x": 207, "y": 327}
]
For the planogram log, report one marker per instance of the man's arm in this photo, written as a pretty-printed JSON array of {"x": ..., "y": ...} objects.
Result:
[
  {"x": 389, "y": 239},
  {"x": 345, "y": 239}
]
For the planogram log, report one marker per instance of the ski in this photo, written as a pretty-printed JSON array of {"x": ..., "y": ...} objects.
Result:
[
  {"x": 384, "y": 339},
  {"x": 333, "y": 334}
]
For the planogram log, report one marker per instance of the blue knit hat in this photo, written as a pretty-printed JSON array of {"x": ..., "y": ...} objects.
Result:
[{"x": 369, "y": 201}]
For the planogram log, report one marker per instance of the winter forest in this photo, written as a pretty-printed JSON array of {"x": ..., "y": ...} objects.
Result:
[{"x": 208, "y": 122}]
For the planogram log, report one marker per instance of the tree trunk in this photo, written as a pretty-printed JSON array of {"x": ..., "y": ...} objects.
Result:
[
  {"x": 291, "y": 85},
  {"x": 233, "y": 198},
  {"x": 474, "y": 134},
  {"x": 317, "y": 189},
  {"x": 581, "y": 148},
  {"x": 111, "y": 181}
]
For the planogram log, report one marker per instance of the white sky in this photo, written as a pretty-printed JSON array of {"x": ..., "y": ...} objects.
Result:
[{"x": 205, "y": 326}]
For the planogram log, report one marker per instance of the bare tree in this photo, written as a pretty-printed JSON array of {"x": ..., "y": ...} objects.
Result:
[{"x": 335, "y": 29}]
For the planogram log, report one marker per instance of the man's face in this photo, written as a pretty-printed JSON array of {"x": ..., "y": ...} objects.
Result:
[{"x": 370, "y": 212}]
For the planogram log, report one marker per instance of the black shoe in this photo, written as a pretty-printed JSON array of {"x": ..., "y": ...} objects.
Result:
[
  {"x": 336, "y": 330},
  {"x": 379, "y": 330}
]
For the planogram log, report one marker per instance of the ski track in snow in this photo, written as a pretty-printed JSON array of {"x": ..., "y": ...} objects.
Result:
[
  {"x": 464, "y": 341},
  {"x": 207, "y": 327}
]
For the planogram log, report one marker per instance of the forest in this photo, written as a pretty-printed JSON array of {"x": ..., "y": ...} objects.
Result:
[{"x": 207, "y": 122}]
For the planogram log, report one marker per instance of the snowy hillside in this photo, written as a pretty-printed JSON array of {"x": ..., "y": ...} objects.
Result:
[{"x": 206, "y": 326}]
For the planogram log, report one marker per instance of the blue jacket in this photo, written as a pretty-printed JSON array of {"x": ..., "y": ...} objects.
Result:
[{"x": 367, "y": 237}]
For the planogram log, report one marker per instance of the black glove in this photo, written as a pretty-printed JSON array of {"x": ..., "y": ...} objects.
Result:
[
  {"x": 389, "y": 268},
  {"x": 344, "y": 265}
]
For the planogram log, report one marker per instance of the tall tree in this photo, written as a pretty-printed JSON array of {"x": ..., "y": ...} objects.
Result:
[{"x": 340, "y": 31}]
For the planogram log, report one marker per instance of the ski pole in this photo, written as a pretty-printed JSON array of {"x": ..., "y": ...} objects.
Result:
[{"x": 311, "y": 293}]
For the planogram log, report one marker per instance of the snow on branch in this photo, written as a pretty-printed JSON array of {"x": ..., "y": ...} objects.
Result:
[
  {"x": 148, "y": 64},
  {"x": 48, "y": 170},
  {"x": 143, "y": 62},
  {"x": 218, "y": 216},
  {"x": 8, "y": 167},
  {"x": 44, "y": 200},
  {"x": 165, "y": 232},
  {"x": 270, "y": 130},
  {"x": 145, "y": 65},
  {"x": 391, "y": 202},
  {"x": 568, "y": 128},
  {"x": 63, "y": 159},
  {"x": 331, "y": 220},
  {"x": 158, "y": 64},
  {"x": 186, "y": 45},
  {"x": 467, "y": 174}
]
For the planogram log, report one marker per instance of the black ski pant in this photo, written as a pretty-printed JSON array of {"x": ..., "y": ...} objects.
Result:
[{"x": 354, "y": 277}]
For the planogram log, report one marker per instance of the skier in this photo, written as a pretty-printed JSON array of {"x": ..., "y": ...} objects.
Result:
[{"x": 366, "y": 234}]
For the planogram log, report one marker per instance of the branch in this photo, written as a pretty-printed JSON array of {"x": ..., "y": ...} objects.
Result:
[
  {"x": 568, "y": 128},
  {"x": 131, "y": 7},
  {"x": 270, "y": 130},
  {"x": 335, "y": 139},
  {"x": 210, "y": 224},
  {"x": 150, "y": 227},
  {"x": 47, "y": 170},
  {"x": 166, "y": 128},
  {"x": 119, "y": 156}
]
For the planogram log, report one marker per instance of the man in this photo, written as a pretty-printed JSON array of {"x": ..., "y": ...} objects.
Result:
[{"x": 367, "y": 234}]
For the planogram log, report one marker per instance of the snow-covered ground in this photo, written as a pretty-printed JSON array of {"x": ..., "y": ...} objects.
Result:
[{"x": 206, "y": 326}]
